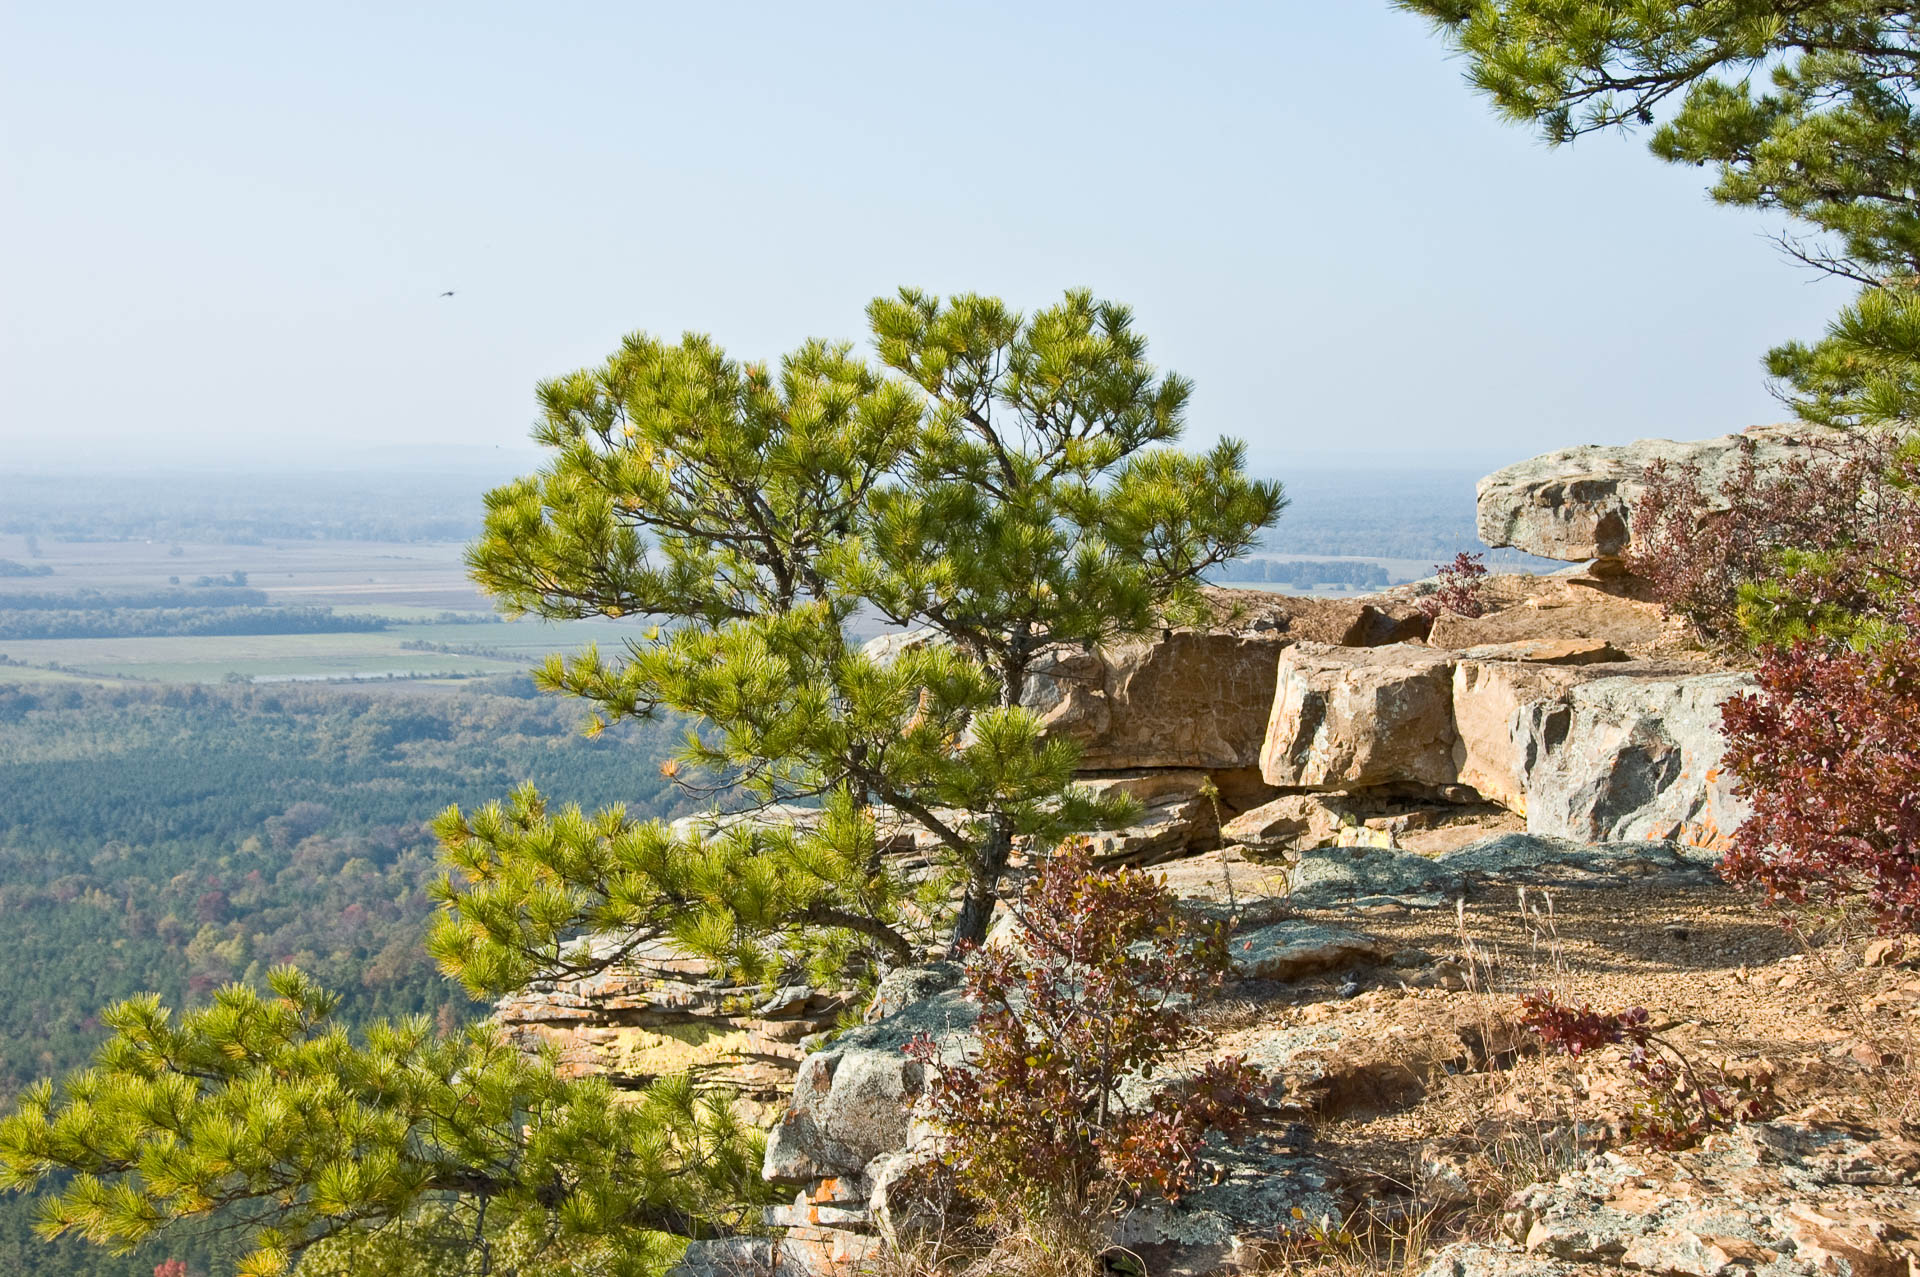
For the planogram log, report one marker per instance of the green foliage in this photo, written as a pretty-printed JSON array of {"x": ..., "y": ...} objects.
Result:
[
  {"x": 260, "y": 1107},
  {"x": 175, "y": 839},
  {"x": 537, "y": 889},
  {"x": 1803, "y": 107},
  {"x": 1001, "y": 482},
  {"x": 1867, "y": 368}
]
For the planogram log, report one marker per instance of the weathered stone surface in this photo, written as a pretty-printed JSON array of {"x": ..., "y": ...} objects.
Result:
[
  {"x": 1604, "y": 752},
  {"x": 1345, "y": 718},
  {"x": 1577, "y": 503},
  {"x": 1631, "y": 758},
  {"x": 1290, "y": 820},
  {"x": 1535, "y": 859},
  {"x": 1288, "y": 950},
  {"x": 1188, "y": 699},
  {"x": 746, "y": 1257},
  {"x": 1263, "y": 1190},
  {"x": 1490, "y": 700},
  {"x": 660, "y": 1013},
  {"x": 1364, "y": 875},
  {"x": 854, "y": 1101},
  {"x": 1558, "y": 610},
  {"x": 1492, "y": 1259},
  {"x": 1176, "y": 818},
  {"x": 1547, "y": 651},
  {"x": 1198, "y": 698},
  {"x": 1333, "y": 876},
  {"x": 1748, "y": 1199}
]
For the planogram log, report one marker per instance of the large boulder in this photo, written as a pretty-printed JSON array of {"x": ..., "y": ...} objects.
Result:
[
  {"x": 1577, "y": 503},
  {"x": 1597, "y": 752},
  {"x": 854, "y": 1101},
  {"x": 1631, "y": 758},
  {"x": 1492, "y": 701},
  {"x": 1348, "y": 718}
]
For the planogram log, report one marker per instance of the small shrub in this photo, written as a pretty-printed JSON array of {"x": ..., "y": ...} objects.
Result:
[
  {"x": 1737, "y": 562},
  {"x": 1462, "y": 587},
  {"x": 1681, "y": 1100},
  {"x": 1827, "y": 749},
  {"x": 1055, "y": 1107}
]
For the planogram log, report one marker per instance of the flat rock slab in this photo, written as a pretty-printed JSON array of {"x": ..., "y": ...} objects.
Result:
[
  {"x": 1535, "y": 858},
  {"x": 1330, "y": 876},
  {"x": 1294, "y": 948},
  {"x": 1548, "y": 651},
  {"x": 1359, "y": 876}
]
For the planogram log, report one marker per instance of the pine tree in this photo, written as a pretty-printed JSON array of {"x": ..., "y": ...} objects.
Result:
[
  {"x": 1003, "y": 482},
  {"x": 1804, "y": 107},
  {"x": 258, "y": 1114}
]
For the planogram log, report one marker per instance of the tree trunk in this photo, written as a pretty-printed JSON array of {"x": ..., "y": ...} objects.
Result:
[
  {"x": 983, "y": 883},
  {"x": 983, "y": 886}
]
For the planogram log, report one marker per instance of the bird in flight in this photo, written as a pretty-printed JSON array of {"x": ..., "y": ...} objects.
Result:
[{"x": 448, "y": 293}]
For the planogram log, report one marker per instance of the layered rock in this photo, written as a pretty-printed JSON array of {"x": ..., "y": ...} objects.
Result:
[
  {"x": 1198, "y": 698},
  {"x": 661, "y": 1013},
  {"x": 1566, "y": 622},
  {"x": 1577, "y": 503}
]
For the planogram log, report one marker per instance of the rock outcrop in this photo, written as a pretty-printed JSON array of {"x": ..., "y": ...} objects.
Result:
[
  {"x": 661, "y": 1014},
  {"x": 1631, "y": 758},
  {"x": 1198, "y": 698},
  {"x": 1598, "y": 751},
  {"x": 1380, "y": 1032},
  {"x": 1577, "y": 503}
]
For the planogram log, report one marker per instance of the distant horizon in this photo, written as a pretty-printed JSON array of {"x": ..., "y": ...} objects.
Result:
[{"x": 480, "y": 458}]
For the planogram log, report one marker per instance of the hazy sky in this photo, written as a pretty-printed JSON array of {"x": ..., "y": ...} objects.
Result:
[{"x": 225, "y": 227}]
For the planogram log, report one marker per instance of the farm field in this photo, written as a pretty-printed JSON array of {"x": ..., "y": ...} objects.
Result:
[
  {"x": 412, "y": 584},
  {"x": 420, "y": 587},
  {"x": 508, "y": 648},
  {"x": 352, "y": 575}
]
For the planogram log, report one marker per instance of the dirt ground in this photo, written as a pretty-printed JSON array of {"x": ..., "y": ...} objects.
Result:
[{"x": 1427, "y": 1094}]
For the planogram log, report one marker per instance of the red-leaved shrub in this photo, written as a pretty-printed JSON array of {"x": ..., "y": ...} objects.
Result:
[
  {"x": 1827, "y": 749},
  {"x": 1680, "y": 1100},
  {"x": 1705, "y": 553},
  {"x": 1089, "y": 997},
  {"x": 1462, "y": 588}
]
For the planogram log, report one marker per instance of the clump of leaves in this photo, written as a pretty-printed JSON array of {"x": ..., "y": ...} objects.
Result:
[
  {"x": 1827, "y": 748},
  {"x": 1082, "y": 1007},
  {"x": 1773, "y": 555},
  {"x": 1462, "y": 587},
  {"x": 1681, "y": 1100}
]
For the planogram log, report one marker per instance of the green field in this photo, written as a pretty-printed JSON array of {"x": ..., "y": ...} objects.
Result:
[
  {"x": 510, "y": 648},
  {"x": 409, "y": 584}
]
